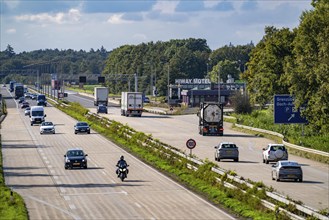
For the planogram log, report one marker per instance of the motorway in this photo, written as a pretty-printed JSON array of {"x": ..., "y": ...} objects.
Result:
[
  {"x": 176, "y": 130},
  {"x": 33, "y": 166}
]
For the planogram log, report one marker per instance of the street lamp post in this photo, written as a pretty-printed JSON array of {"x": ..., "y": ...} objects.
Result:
[
  {"x": 219, "y": 100},
  {"x": 168, "y": 87}
]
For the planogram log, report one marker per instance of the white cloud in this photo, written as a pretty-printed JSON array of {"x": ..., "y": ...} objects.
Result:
[
  {"x": 11, "y": 31},
  {"x": 165, "y": 7},
  {"x": 117, "y": 19},
  {"x": 73, "y": 15},
  {"x": 11, "y": 4}
]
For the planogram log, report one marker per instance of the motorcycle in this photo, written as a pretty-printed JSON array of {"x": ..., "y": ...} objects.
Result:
[{"x": 122, "y": 171}]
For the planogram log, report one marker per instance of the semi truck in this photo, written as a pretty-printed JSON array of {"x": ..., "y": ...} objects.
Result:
[
  {"x": 19, "y": 90},
  {"x": 101, "y": 96},
  {"x": 211, "y": 119},
  {"x": 132, "y": 104}
]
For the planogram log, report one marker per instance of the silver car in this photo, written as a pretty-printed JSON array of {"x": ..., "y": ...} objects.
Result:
[
  {"x": 286, "y": 169},
  {"x": 227, "y": 150},
  {"x": 274, "y": 153}
]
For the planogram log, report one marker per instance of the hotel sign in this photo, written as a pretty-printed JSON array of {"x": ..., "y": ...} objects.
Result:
[{"x": 192, "y": 81}]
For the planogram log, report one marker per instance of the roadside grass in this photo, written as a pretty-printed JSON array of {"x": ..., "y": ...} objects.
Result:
[
  {"x": 12, "y": 205},
  {"x": 294, "y": 133},
  {"x": 202, "y": 181}
]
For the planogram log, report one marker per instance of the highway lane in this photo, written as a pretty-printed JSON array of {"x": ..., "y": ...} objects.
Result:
[
  {"x": 33, "y": 167},
  {"x": 176, "y": 130}
]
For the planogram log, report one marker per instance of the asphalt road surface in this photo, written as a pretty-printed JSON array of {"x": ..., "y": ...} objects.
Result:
[{"x": 34, "y": 167}]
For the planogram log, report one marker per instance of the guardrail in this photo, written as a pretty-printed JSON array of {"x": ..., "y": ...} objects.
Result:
[{"x": 305, "y": 149}]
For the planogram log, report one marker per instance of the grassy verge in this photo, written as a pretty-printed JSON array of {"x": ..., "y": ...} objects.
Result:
[
  {"x": 202, "y": 181},
  {"x": 12, "y": 205}
]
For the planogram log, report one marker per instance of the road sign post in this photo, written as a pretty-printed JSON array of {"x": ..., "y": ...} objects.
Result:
[
  {"x": 190, "y": 144},
  {"x": 285, "y": 111}
]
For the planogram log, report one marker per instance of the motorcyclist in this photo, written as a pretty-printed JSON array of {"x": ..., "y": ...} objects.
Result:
[{"x": 121, "y": 163}]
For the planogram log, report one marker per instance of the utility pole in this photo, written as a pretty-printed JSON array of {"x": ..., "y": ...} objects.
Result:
[
  {"x": 219, "y": 99},
  {"x": 168, "y": 87},
  {"x": 136, "y": 81}
]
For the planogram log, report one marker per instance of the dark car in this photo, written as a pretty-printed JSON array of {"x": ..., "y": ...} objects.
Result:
[
  {"x": 25, "y": 104},
  {"x": 81, "y": 127},
  {"x": 286, "y": 169},
  {"x": 75, "y": 158},
  {"x": 101, "y": 109},
  {"x": 21, "y": 99}
]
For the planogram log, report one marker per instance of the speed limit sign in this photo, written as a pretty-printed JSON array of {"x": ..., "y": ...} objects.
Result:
[{"x": 190, "y": 143}]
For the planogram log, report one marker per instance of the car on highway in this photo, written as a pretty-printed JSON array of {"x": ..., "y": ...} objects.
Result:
[
  {"x": 226, "y": 150},
  {"x": 34, "y": 96},
  {"x": 21, "y": 100},
  {"x": 146, "y": 99},
  {"x": 27, "y": 95},
  {"x": 75, "y": 157},
  {"x": 274, "y": 153},
  {"x": 101, "y": 109},
  {"x": 81, "y": 127},
  {"x": 47, "y": 127},
  {"x": 288, "y": 170},
  {"x": 25, "y": 104},
  {"x": 27, "y": 111}
]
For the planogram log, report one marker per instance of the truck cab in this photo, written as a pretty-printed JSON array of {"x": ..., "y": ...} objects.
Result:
[{"x": 37, "y": 115}]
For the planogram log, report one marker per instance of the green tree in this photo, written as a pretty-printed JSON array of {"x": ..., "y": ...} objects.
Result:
[
  {"x": 308, "y": 71},
  {"x": 266, "y": 68}
]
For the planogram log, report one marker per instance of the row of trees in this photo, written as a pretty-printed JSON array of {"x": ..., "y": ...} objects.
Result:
[{"x": 295, "y": 62}]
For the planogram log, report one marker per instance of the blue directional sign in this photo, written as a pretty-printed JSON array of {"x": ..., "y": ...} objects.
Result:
[{"x": 285, "y": 111}]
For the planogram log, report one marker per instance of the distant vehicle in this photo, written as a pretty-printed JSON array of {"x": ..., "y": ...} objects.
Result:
[
  {"x": 274, "y": 153},
  {"x": 27, "y": 111},
  {"x": 47, "y": 127},
  {"x": 37, "y": 115},
  {"x": 19, "y": 90},
  {"x": 211, "y": 119},
  {"x": 12, "y": 85},
  {"x": 226, "y": 150},
  {"x": 146, "y": 99},
  {"x": 25, "y": 89},
  {"x": 101, "y": 95},
  {"x": 81, "y": 127},
  {"x": 33, "y": 96},
  {"x": 25, "y": 104},
  {"x": 101, "y": 109},
  {"x": 131, "y": 104},
  {"x": 21, "y": 100},
  {"x": 27, "y": 95},
  {"x": 75, "y": 158},
  {"x": 286, "y": 169},
  {"x": 41, "y": 100},
  {"x": 4, "y": 85}
]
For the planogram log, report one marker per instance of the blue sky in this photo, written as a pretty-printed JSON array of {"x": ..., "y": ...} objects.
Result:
[{"x": 29, "y": 25}]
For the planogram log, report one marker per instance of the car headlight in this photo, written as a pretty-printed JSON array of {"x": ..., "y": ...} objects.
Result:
[
  {"x": 68, "y": 161},
  {"x": 83, "y": 160}
]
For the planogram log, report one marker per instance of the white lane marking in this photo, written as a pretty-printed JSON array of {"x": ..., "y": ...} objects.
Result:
[
  {"x": 55, "y": 207},
  {"x": 101, "y": 193},
  {"x": 50, "y": 166},
  {"x": 55, "y": 177},
  {"x": 58, "y": 182},
  {"x": 62, "y": 189},
  {"x": 44, "y": 157},
  {"x": 103, "y": 173},
  {"x": 72, "y": 206},
  {"x": 67, "y": 198},
  {"x": 40, "y": 150},
  {"x": 52, "y": 171},
  {"x": 138, "y": 205},
  {"x": 47, "y": 162}
]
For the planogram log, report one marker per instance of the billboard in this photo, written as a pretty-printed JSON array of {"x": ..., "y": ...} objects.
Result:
[{"x": 285, "y": 111}]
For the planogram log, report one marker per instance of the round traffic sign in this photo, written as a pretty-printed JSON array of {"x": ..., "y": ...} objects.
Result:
[{"x": 190, "y": 143}]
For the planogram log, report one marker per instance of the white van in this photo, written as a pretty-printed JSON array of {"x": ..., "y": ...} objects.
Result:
[{"x": 37, "y": 115}]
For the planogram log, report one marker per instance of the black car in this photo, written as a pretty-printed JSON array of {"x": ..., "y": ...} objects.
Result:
[
  {"x": 75, "y": 158},
  {"x": 101, "y": 109},
  {"x": 25, "y": 104},
  {"x": 81, "y": 127}
]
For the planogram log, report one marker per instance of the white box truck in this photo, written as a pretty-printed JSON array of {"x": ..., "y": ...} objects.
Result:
[
  {"x": 101, "y": 96},
  {"x": 131, "y": 103},
  {"x": 37, "y": 115}
]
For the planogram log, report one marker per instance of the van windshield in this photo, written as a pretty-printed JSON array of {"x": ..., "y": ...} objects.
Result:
[
  {"x": 41, "y": 97},
  {"x": 37, "y": 113}
]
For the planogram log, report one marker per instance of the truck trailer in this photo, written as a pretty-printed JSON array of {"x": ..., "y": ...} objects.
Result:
[
  {"x": 211, "y": 119},
  {"x": 132, "y": 104},
  {"x": 101, "y": 96},
  {"x": 19, "y": 90}
]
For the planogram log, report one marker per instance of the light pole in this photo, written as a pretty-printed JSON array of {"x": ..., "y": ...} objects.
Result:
[
  {"x": 219, "y": 100},
  {"x": 168, "y": 86}
]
